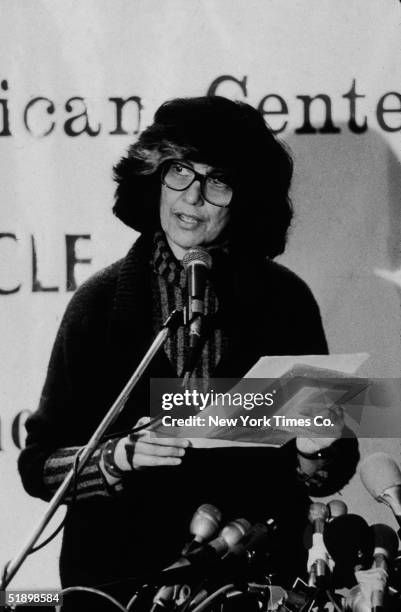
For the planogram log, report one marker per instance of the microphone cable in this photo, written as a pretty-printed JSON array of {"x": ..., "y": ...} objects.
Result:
[
  {"x": 62, "y": 523},
  {"x": 221, "y": 591},
  {"x": 73, "y": 500},
  {"x": 74, "y": 484},
  {"x": 93, "y": 591},
  {"x": 314, "y": 599},
  {"x": 333, "y": 603}
]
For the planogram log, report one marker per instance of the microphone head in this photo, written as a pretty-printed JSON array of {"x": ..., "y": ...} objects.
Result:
[
  {"x": 257, "y": 538},
  {"x": 337, "y": 508},
  {"x": 385, "y": 540},
  {"x": 379, "y": 472},
  {"x": 205, "y": 522},
  {"x": 234, "y": 531},
  {"x": 348, "y": 537},
  {"x": 318, "y": 511},
  {"x": 197, "y": 256},
  {"x": 197, "y": 263}
]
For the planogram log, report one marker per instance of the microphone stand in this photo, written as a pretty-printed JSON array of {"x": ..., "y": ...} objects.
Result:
[
  {"x": 194, "y": 321},
  {"x": 171, "y": 324}
]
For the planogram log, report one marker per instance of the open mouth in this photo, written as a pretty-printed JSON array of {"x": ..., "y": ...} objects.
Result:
[{"x": 188, "y": 220}]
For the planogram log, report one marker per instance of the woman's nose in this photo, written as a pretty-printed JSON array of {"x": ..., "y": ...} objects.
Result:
[{"x": 192, "y": 194}]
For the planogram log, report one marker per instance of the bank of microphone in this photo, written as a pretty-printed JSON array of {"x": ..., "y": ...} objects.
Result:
[
  {"x": 203, "y": 526},
  {"x": 216, "y": 549},
  {"x": 381, "y": 476},
  {"x": 202, "y": 558},
  {"x": 259, "y": 539}
]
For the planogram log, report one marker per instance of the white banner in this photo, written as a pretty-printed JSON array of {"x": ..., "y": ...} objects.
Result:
[{"x": 80, "y": 79}]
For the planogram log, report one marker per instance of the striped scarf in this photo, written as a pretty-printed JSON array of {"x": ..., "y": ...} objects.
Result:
[{"x": 169, "y": 291}]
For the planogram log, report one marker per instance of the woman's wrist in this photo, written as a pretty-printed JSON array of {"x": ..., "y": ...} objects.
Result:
[
  {"x": 113, "y": 460},
  {"x": 314, "y": 448},
  {"x": 313, "y": 456}
]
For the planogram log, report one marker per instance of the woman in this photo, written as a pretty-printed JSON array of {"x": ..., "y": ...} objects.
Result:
[{"x": 208, "y": 172}]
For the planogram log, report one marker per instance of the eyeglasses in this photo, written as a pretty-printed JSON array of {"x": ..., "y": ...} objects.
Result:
[{"x": 178, "y": 176}]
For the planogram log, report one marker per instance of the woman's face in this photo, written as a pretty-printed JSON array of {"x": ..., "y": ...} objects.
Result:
[{"x": 187, "y": 219}]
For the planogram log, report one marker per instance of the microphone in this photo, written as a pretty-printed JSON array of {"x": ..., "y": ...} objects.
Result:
[
  {"x": 386, "y": 547},
  {"x": 318, "y": 557},
  {"x": 381, "y": 476},
  {"x": 229, "y": 537},
  {"x": 203, "y": 526},
  {"x": 257, "y": 538},
  {"x": 203, "y": 557},
  {"x": 349, "y": 541},
  {"x": 197, "y": 263},
  {"x": 337, "y": 508}
]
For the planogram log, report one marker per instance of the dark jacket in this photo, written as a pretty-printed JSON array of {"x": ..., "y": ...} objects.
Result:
[{"x": 265, "y": 309}]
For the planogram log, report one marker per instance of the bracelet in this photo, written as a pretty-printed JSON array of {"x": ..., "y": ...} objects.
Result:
[
  {"x": 109, "y": 462},
  {"x": 130, "y": 450}
]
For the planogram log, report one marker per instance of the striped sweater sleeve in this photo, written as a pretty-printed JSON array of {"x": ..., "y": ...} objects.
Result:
[{"x": 90, "y": 482}]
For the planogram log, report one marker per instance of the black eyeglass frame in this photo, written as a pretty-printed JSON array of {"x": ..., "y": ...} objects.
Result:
[{"x": 202, "y": 178}]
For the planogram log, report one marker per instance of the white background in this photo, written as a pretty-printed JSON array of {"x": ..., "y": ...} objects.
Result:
[{"x": 346, "y": 189}]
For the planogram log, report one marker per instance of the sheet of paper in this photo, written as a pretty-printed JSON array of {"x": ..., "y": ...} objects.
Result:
[
  {"x": 275, "y": 367},
  {"x": 394, "y": 276}
]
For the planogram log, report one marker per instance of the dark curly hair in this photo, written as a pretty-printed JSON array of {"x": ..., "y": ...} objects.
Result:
[{"x": 224, "y": 134}]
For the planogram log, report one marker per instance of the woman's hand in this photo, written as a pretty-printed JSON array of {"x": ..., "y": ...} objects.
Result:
[
  {"x": 144, "y": 450},
  {"x": 333, "y": 432}
]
